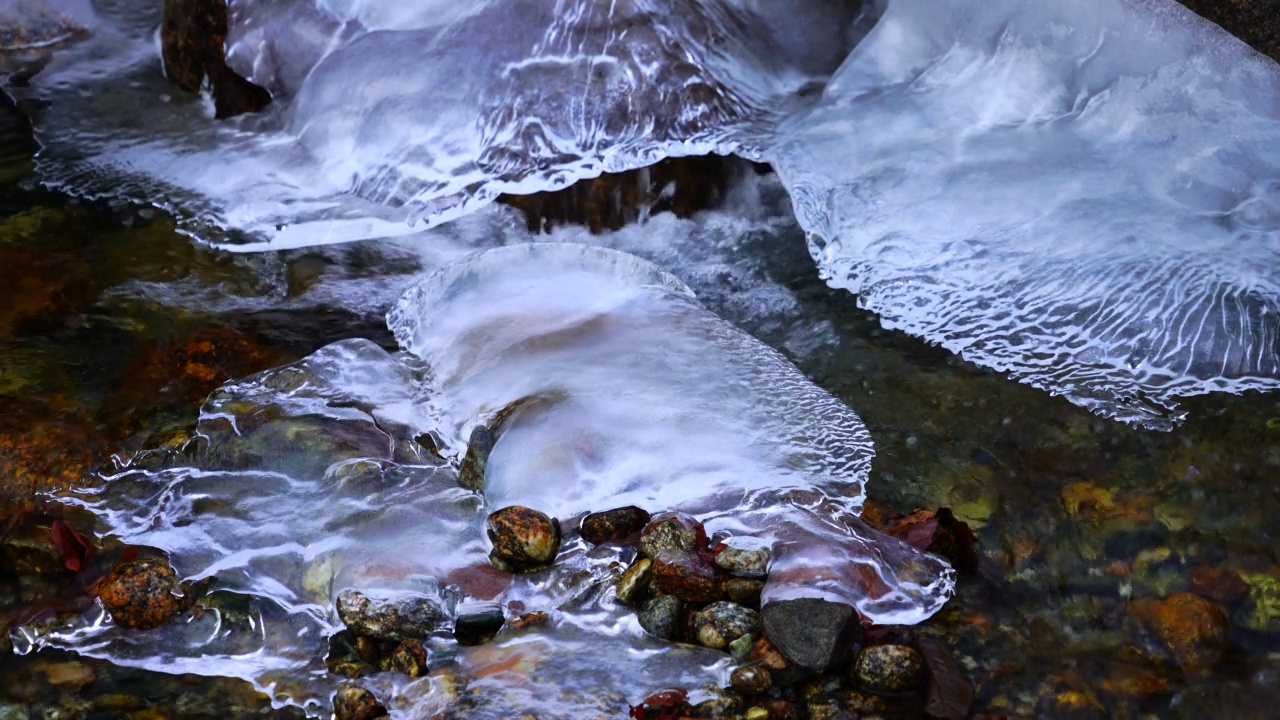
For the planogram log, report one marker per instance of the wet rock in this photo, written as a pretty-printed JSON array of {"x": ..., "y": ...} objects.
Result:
[
  {"x": 42, "y": 289},
  {"x": 669, "y": 531},
  {"x": 809, "y": 632},
  {"x": 661, "y": 616},
  {"x": 140, "y": 594},
  {"x": 889, "y": 668},
  {"x": 43, "y": 447},
  {"x": 721, "y": 705},
  {"x": 1219, "y": 585},
  {"x": 352, "y": 702},
  {"x": 721, "y": 623},
  {"x": 744, "y": 591},
  {"x": 474, "y": 463},
  {"x": 744, "y": 562},
  {"x": 686, "y": 576},
  {"x": 741, "y": 647},
  {"x": 524, "y": 540},
  {"x": 750, "y": 680},
  {"x": 613, "y": 525},
  {"x": 399, "y": 619},
  {"x": 856, "y": 702},
  {"x": 408, "y": 658},
  {"x": 1193, "y": 628},
  {"x": 634, "y": 583},
  {"x": 192, "y": 38},
  {"x": 477, "y": 628}
]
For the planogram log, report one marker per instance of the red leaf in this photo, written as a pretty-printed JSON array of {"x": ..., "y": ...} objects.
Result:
[
  {"x": 71, "y": 545},
  {"x": 950, "y": 694},
  {"x": 666, "y": 704}
]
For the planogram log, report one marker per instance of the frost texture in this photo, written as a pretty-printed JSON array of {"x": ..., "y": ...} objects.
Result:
[
  {"x": 1083, "y": 194},
  {"x": 618, "y": 388}
]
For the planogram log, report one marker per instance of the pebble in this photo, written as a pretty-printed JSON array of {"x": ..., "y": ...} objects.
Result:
[
  {"x": 721, "y": 623},
  {"x": 613, "y": 525},
  {"x": 809, "y": 632},
  {"x": 757, "y": 713},
  {"x": 634, "y": 583},
  {"x": 750, "y": 680},
  {"x": 406, "y": 617},
  {"x": 889, "y": 668},
  {"x": 524, "y": 540},
  {"x": 661, "y": 616},
  {"x": 744, "y": 562},
  {"x": 478, "y": 628},
  {"x": 409, "y": 658},
  {"x": 686, "y": 576},
  {"x": 744, "y": 591},
  {"x": 352, "y": 702},
  {"x": 139, "y": 594},
  {"x": 669, "y": 531},
  {"x": 474, "y": 463}
]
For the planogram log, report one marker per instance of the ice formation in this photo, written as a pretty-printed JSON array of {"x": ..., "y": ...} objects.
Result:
[
  {"x": 1085, "y": 194},
  {"x": 312, "y": 478}
]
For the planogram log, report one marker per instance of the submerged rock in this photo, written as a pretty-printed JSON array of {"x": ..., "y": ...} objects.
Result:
[
  {"x": 613, "y": 525},
  {"x": 721, "y": 623},
  {"x": 471, "y": 472},
  {"x": 524, "y": 540},
  {"x": 661, "y": 616},
  {"x": 192, "y": 39},
  {"x": 634, "y": 583},
  {"x": 352, "y": 702},
  {"x": 744, "y": 562},
  {"x": 750, "y": 680},
  {"x": 809, "y": 632},
  {"x": 889, "y": 668},
  {"x": 1193, "y": 628},
  {"x": 408, "y": 658},
  {"x": 141, "y": 594},
  {"x": 398, "y": 619},
  {"x": 686, "y": 576},
  {"x": 477, "y": 628}
]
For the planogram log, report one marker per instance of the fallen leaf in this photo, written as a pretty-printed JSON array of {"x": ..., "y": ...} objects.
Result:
[
  {"x": 950, "y": 694},
  {"x": 71, "y": 545}
]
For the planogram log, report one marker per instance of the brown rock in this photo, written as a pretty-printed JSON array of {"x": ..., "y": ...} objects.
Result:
[
  {"x": 889, "y": 668},
  {"x": 634, "y": 583},
  {"x": 686, "y": 576},
  {"x": 140, "y": 594},
  {"x": 669, "y": 531},
  {"x": 613, "y": 525},
  {"x": 750, "y": 680},
  {"x": 409, "y": 658},
  {"x": 744, "y": 591},
  {"x": 1219, "y": 585},
  {"x": 352, "y": 702},
  {"x": 193, "y": 34},
  {"x": 1193, "y": 628},
  {"x": 524, "y": 540},
  {"x": 476, "y": 461}
]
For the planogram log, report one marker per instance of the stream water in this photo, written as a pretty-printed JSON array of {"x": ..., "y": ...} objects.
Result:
[{"x": 698, "y": 364}]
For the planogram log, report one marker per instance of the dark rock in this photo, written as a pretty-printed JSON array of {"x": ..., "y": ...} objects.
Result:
[
  {"x": 669, "y": 531},
  {"x": 744, "y": 563},
  {"x": 474, "y": 463},
  {"x": 750, "y": 680},
  {"x": 524, "y": 540},
  {"x": 686, "y": 576},
  {"x": 721, "y": 623},
  {"x": 400, "y": 619},
  {"x": 634, "y": 583},
  {"x": 193, "y": 35},
  {"x": 744, "y": 591},
  {"x": 809, "y": 632},
  {"x": 477, "y": 628},
  {"x": 613, "y": 525},
  {"x": 661, "y": 616},
  {"x": 140, "y": 594},
  {"x": 408, "y": 658},
  {"x": 352, "y": 702},
  {"x": 889, "y": 668}
]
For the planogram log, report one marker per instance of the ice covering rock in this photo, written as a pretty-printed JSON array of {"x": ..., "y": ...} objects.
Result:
[{"x": 1084, "y": 194}]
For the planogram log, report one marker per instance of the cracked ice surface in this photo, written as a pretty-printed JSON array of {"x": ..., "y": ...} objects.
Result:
[{"x": 1083, "y": 194}]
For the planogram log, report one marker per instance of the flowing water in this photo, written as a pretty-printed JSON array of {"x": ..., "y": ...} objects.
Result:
[{"x": 1082, "y": 199}]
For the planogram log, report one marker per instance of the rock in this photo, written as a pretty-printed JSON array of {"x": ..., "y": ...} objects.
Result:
[
  {"x": 524, "y": 540},
  {"x": 744, "y": 591},
  {"x": 192, "y": 40},
  {"x": 352, "y": 702},
  {"x": 477, "y": 628},
  {"x": 757, "y": 713},
  {"x": 809, "y": 632},
  {"x": 744, "y": 562},
  {"x": 406, "y": 617},
  {"x": 634, "y": 583},
  {"x": 474, "y": 463},
  {"x": 686, "y": 576},
  {"x": 1193, "y": 628},
  {"x": 140, "y": 594},
  {"x": 669, "y": 531},
  {"x": 889, "y": 668},
  {"x": 720, "y": 705},
  {"x": 613, "y": 525},
  {"x": 661, "y": 616},
  {"x": 750, "y": 680},
  {"x": 409, "y": 658},
  {"x": 721, "y": 623},
  {"x": 1219, "y": 585}
]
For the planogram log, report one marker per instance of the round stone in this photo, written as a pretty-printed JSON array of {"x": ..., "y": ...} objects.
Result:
[
  {"x": 721, "y": 623},
  {"x": 750, "y": 680},
  {"x": 613, "y": 525},
  {"x": 140, "y": 594},
  {"x": 661, "y": 616},
  {"x": 889, "y": 668},
  {"x": 635, "y": 581},
  {"x": 744, "y": 562},
  {"x": 669, "y": 531},
  {"x": 523, "y": 539}
]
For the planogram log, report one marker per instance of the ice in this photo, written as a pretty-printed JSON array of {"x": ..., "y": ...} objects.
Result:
[{"x": 618, "y": 388}]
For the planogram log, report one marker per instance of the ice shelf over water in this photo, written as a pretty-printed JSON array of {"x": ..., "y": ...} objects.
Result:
[
  {"x": 314, "y": 477},
  {"x": 1083, "y": 194}
]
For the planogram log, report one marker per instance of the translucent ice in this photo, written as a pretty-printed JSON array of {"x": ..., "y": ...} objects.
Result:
[{"x": 615, "y": 387}]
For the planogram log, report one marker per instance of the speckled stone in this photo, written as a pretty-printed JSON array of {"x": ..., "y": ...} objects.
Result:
[
  {"x": 669, "y": 531},
  {"x": 721, "y": 623},
  {"x": 686, "y": 576},
  {"x": 140, "y": 594},
  {"x": 352, "y": 702},
  {"x": 408, "y": 617},
  {"x": 613, "y": 525},
  {"x": 741, "y": 562},
  {"x": 661, "y": 616},
  {"x": 524, "y": 540},
  {"x": 889, "y": 668},
  {"x": 409, "y": 658}
]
